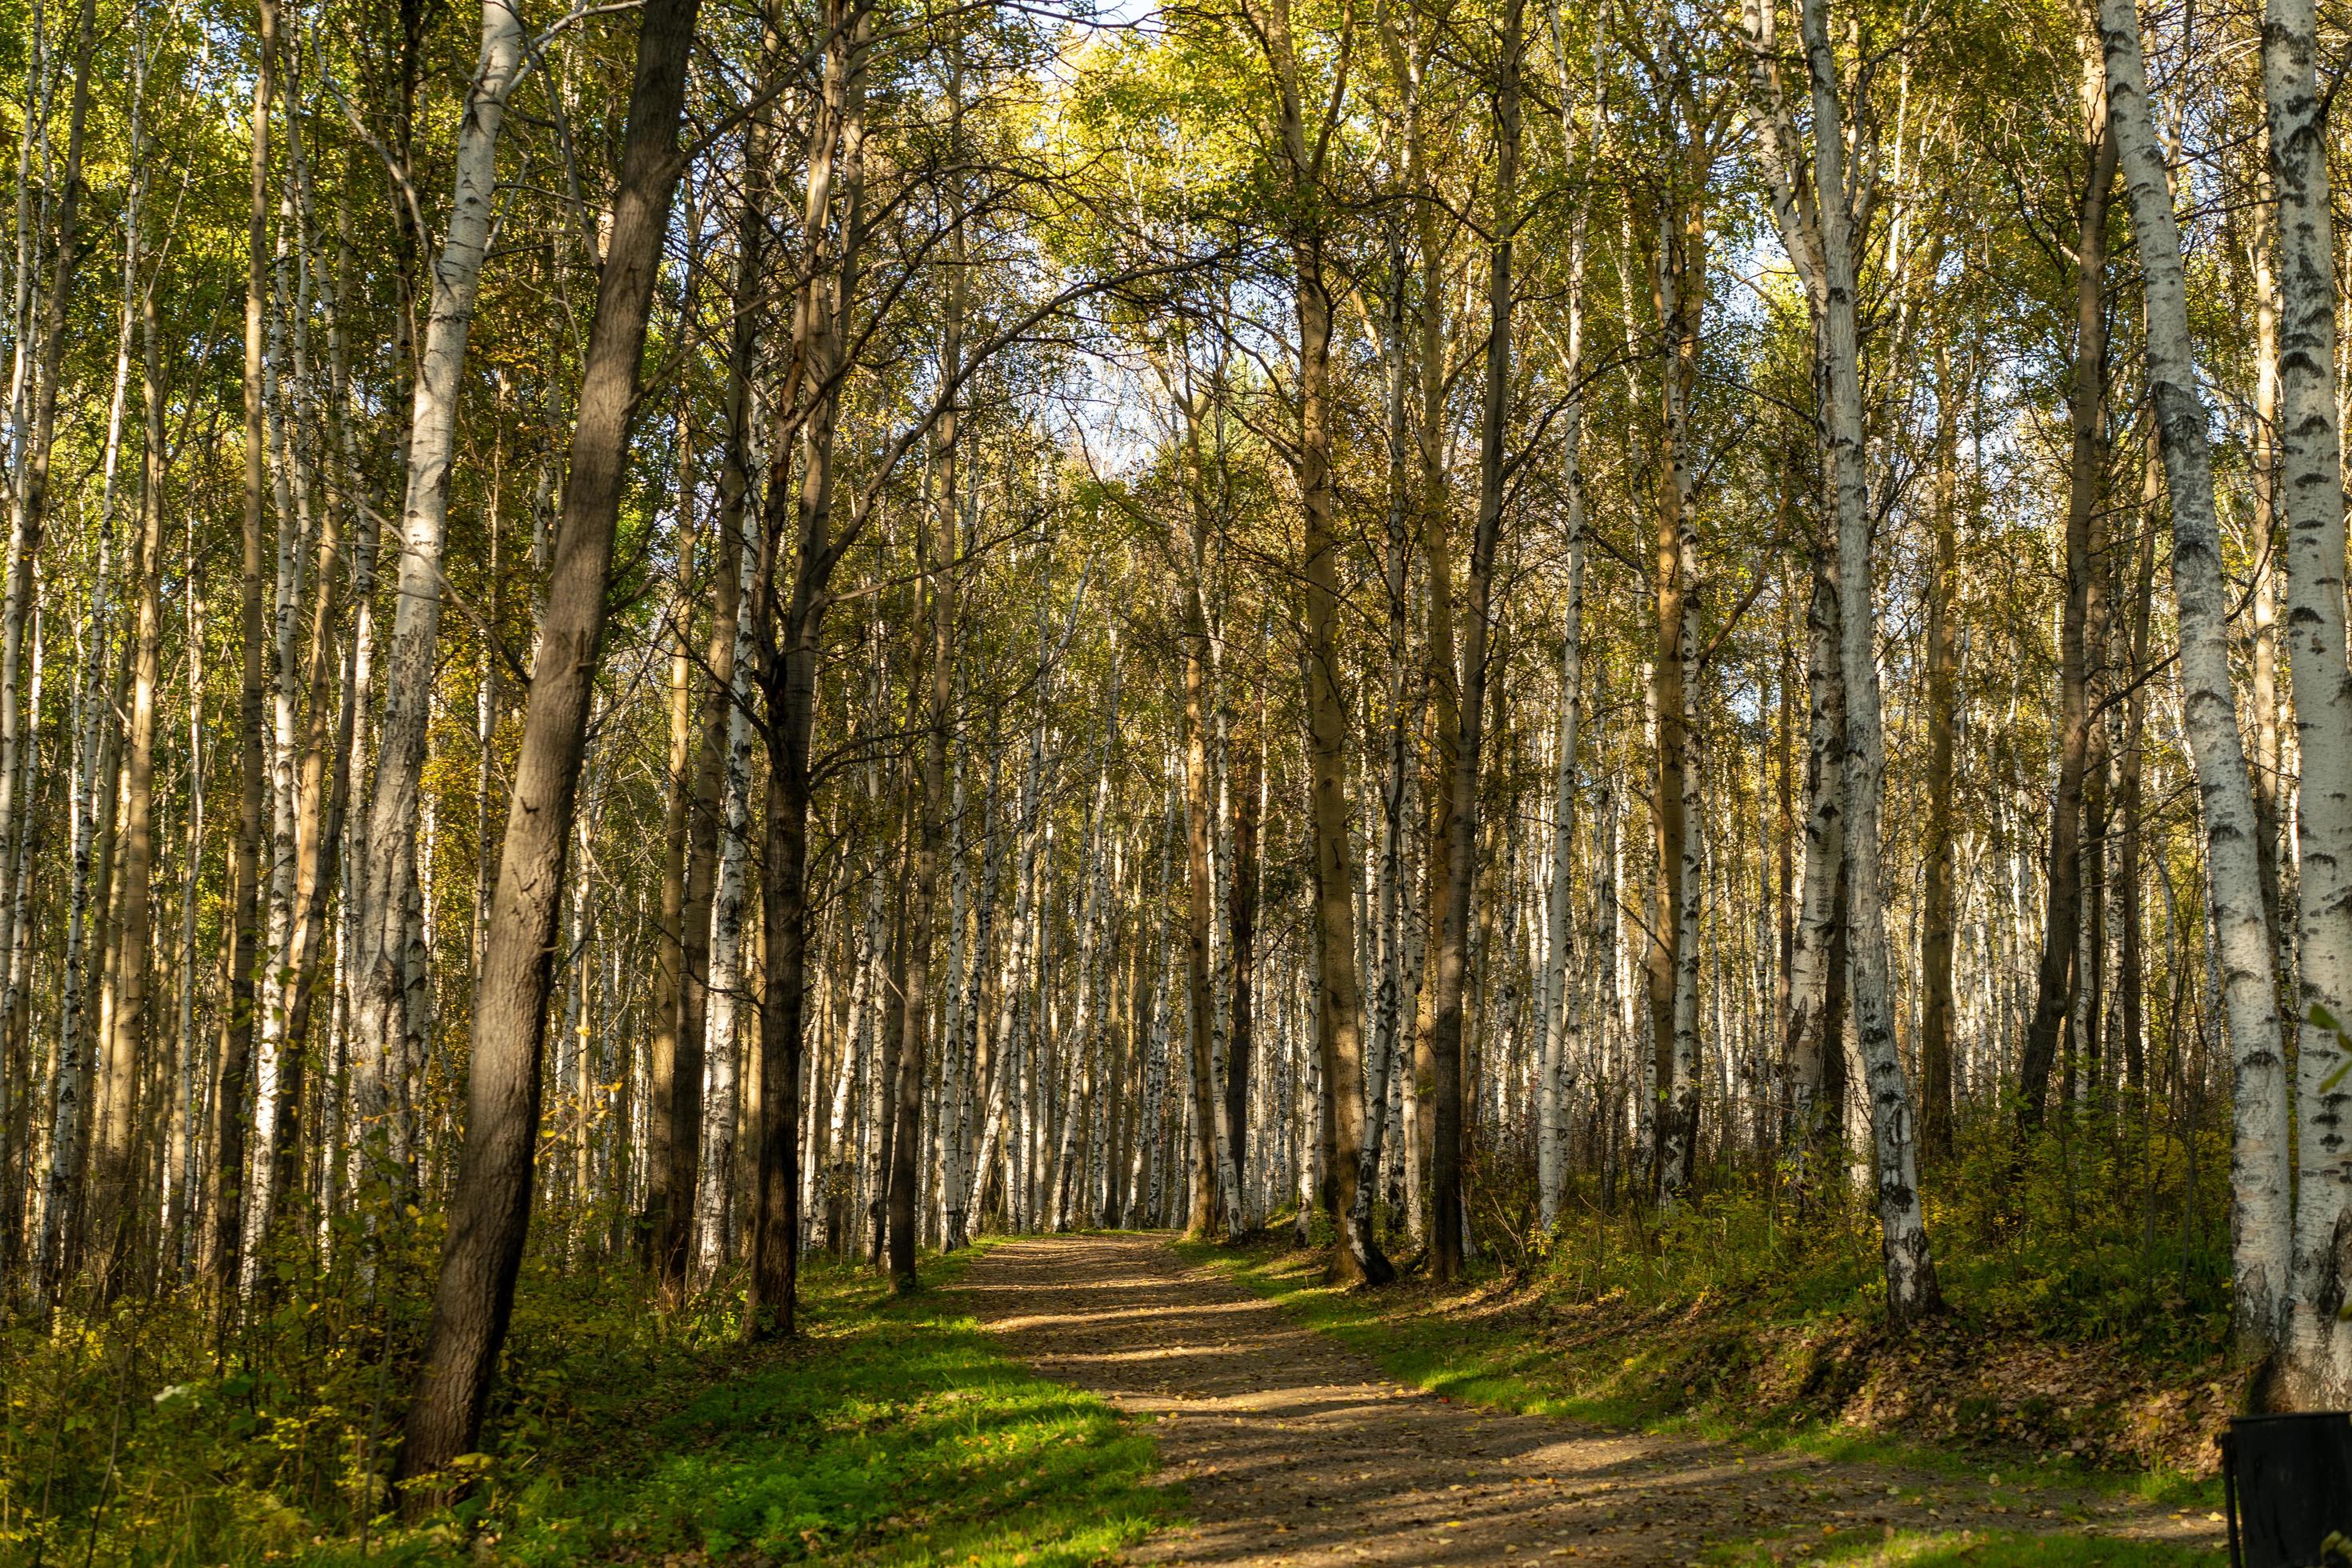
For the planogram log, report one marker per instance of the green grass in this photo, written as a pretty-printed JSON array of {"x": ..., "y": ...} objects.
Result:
[
  {"x": 1497, "y": 1360},
  {"x": 895, "y": 1432}
]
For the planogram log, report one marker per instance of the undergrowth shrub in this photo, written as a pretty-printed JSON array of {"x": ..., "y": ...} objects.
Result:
[
  {"x": 2110, "y": 1228},
  {"x": 162, "y": 1429}
]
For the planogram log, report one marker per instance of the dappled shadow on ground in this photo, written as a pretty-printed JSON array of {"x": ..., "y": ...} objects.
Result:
[{"x": 1296, "y": 1450}]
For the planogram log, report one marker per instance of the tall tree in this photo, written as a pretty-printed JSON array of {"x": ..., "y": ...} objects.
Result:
[
  {"x": 382, "y": 927},
  {"x": 2259, "y": 1184},
  {"x": 490, "y": 1214},
  {"x": 2311, "y": 478}
]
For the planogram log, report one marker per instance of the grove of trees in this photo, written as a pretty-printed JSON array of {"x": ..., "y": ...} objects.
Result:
[{"x": 647, "y": 640}]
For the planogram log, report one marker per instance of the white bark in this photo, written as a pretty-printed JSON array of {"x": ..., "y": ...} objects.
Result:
[
  {"x": 18, "y": 742},
  {"x": 290, "y": 492},
  {"x": 383, "y": 932},
  {"x": 1555, "y": 1063},
  {"x": 2240, "y": 945},
  {"x": 1909, "y": 1268},
  {"x": 716, "y": 1170},
  {"x": 2311, "y": 483},
  {"x": 1559, "y": 1013},
  {"x": 987, "y": 1099}
]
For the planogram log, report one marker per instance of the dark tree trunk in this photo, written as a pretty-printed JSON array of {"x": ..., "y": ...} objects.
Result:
[
  {"x": 935, "y": 547},
  {"x": 224, "y": 1196},
  {"x": 115, "y": 1179},
  {"x": 2087, "y": 403},
  {"x": 489, "y": 1213},
  {"x": 1242, "y": 921},
  {"x": 1199, "y": 904},
  {"x": 1446, "y": 1239},
  {"x": 1937, "y": 1008},
  {"x": 787, "y": 637}
]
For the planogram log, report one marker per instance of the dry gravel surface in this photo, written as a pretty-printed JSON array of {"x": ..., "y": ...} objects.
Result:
[{"x": 1294, "y": 1449}]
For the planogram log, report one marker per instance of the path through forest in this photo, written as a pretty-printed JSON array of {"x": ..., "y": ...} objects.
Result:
[{"x": 1299, "y": 1451}]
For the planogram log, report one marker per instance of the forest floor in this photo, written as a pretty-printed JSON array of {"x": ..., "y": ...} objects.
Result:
[{"x": 1294, "y": 1450}]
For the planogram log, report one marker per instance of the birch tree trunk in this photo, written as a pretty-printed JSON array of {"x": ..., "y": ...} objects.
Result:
[
  {"x": 723, "y": 1009},
  {"x": 1680, "y": 282},
  {"x": 1816, "y": 952},
  {"x": 963, "y": 1169},
  {"x": 2311, "y": 479},
  {"x": 380, "y": 1025},
  {"x": 1812, "y": 1049},
  {"x": 1911, "y": 1290},
  {"x": 1557, "y": 1016},
  {"x": 681, "y": 1110},
  {"x": 321, "y": 792},
  {"x": 1444, "y": 684},
  {"x": 2259, "y": 1178}
]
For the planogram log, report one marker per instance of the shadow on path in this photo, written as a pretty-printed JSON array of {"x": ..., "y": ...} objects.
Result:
[{"x": 1296, "y": 1450}]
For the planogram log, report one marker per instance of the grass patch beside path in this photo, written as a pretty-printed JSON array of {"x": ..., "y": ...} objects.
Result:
[
  {"x": 894, "y": 1432},
  {"x": 1481, "y": 1347}
]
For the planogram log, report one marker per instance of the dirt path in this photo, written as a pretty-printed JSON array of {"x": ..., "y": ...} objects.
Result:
[{"x": 1297, "y": 1451}]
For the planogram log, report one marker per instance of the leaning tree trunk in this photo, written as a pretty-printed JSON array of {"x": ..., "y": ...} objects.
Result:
[
  {"x": 489, "y": 1213},
  {"x": 2259, "y": 1179}
]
